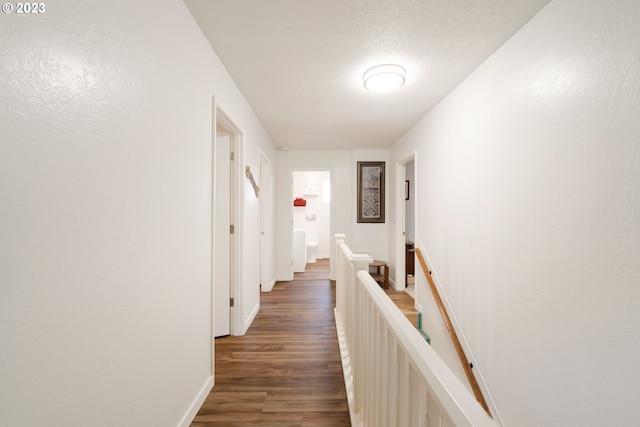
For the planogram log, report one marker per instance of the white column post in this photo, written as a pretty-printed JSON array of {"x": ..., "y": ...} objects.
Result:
[{"x": 342, "y": 278}]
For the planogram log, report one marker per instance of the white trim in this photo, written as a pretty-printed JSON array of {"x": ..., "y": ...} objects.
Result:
[
  {"x": 284, "y": 278},
  {"x": 418, "y": 306},
  {"x": 197, "y": 402},
  {"x": 290, "y": 223},
  {"x": 238, "y": 216},
  {"x": 332, "y": 214},
  {"x": 269, "y": 287},
  {"x": 252, "y": 316},
  {"x": 237, "y": 142},
  {"x": 400, "y": 270},
  {"x": 400, "y": 257},
  {"x": 212, "y": 247}
]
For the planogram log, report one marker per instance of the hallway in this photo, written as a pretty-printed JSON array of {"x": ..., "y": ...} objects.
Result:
[{"x": 286, "y": 370}]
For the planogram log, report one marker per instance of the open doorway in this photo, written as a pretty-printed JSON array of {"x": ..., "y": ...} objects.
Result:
[
  {"x": 224, "y": 223},
  {"x": 410, "y": 227},
  {"x": 311, "y": 217},
  {"x": 405, "y": 231}
]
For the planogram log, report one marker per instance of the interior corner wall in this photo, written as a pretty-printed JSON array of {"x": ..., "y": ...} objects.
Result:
[
  {"x": 105, "y": 231},
  {"x": 529, "y": 212}
]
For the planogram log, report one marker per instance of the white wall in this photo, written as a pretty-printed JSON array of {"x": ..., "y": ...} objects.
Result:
[
  {"x": 371, "y": 238},
  {"x": 529, "y": 212},
  {"x": 105, "y": 178},
  {"x": 338, "y": 163}
]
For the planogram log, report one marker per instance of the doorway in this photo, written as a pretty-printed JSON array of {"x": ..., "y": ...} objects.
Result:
[
  {"x": 410, "y": 227},
  {"x": 311, "y": 217},
  {"x": 224, "y": 224},
  {"x": 405, "y": 232}
]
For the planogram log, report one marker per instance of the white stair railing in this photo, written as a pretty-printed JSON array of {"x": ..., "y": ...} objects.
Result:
[{"x": 393, "y": 377}]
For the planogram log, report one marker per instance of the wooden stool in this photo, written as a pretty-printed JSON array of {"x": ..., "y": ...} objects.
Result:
[{"x": 378, "y": 276}]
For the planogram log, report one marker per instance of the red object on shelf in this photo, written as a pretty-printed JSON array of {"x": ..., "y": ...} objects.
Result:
[{"x": 299, "y": 202}]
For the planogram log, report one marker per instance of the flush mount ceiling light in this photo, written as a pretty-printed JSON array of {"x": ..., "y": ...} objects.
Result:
[{"x": 384, "y": 78}]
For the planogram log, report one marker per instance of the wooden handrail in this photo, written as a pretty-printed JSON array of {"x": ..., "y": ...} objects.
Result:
[{"x": 452, "y": 333}]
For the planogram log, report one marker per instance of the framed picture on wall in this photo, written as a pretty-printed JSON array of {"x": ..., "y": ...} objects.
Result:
[
  {"x": 371, "y": 192},
  {"x": 406, "y": 190}
]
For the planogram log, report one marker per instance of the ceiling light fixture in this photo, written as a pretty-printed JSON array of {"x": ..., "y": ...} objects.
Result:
[{"x": 384, "y": 78}]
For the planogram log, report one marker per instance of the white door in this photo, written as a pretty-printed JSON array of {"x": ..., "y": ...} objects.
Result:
[{"x": 222, "y": 221}]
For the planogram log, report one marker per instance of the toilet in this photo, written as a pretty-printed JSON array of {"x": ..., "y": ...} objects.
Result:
[{"x": 312, "y": 246}]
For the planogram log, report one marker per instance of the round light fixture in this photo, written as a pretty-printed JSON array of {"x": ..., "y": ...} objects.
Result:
[{"x": 384, "y": 78}]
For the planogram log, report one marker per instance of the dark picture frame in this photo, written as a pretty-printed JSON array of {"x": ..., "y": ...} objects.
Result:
[
  {"x": 371, "y": 192},
  {"x": 406, "y": 189}
]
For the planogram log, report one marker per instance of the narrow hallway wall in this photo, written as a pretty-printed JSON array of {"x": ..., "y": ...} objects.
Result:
[
  {"x": 529, "y": 214},
  {"x": 105, "y": 230}
]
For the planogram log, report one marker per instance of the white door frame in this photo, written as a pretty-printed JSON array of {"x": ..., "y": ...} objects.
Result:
[
  {"x": 222, "y": 189},
  {"x": 237, "y": 196},
  {"x": 237, "y": 145},
  {"x": 331, "y": 214},
  {"x": 400, "y": 230}
]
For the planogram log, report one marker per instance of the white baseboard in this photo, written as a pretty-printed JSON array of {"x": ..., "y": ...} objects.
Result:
[
  {"x": 269, "y": 287},
  {"x": 250, "y": 319},
  {"x": 195, "y": 406}
]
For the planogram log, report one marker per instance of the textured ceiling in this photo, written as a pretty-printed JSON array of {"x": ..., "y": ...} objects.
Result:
[{"x": 300, "y": 63}]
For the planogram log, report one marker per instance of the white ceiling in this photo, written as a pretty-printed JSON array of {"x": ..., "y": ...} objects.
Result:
[{"x": 300, "y": 63}]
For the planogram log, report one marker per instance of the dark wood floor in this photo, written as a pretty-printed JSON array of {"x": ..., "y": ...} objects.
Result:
[{"x": 286, "y": 370}]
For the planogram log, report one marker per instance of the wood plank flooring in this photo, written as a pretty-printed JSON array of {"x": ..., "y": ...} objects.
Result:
[
  {"x": 405, "y": 303},
  {"x": 286, "y": 370}
]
